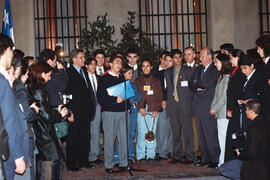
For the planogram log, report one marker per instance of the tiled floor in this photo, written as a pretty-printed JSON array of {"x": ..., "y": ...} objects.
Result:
[{"x": 157, "y": 170}]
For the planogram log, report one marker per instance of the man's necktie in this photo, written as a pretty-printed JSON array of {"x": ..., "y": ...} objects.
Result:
[
  {"x": 176, "y": 98},
  {"x": 81, "y": 72},
  {"x": 202, "y": 73},
  {"x": 94, "y": 84},
  {"x": 100, "y": 71}
]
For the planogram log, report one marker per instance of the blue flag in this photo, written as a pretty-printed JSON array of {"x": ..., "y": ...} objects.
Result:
[{"x": 7, "y": 21}]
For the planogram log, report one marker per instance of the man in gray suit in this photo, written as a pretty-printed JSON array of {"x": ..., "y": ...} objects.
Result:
[
  {"x": 179, "y": 100},
  {"x": 203, "y": 84},
  {"x": 133, "y": 57}
]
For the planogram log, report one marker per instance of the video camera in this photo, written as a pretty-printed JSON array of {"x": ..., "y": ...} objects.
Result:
[{"x": 239, "y": 140}]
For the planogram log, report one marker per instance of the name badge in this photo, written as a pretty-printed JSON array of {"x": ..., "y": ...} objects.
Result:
[
  {"x": 146, "y": 88},
  {"x": 151, "y": 92},
  {"x": 184, "y": 83}
]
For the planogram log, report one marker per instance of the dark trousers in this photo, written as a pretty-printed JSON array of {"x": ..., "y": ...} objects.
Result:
[
  {"x": 78, "y": 143},
  {"x": 179, "y": 122},
  {"x": 55, "y": 169},
  {"x": 208, "y": 138}
]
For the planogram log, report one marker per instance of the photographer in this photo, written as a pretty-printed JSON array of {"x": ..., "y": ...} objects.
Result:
[
  {"x": 58, "y": 82},
  {"x": 254, "y": 159}
]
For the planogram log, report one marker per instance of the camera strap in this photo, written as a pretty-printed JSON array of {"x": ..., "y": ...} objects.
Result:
[{"x": 147, "y": 124}]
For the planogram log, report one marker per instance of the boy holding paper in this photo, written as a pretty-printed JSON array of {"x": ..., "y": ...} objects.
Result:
[{"x": 113, "y": 115}]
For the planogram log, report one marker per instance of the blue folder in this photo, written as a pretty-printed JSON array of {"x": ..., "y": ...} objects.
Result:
[{"x": 118, "y": 89}]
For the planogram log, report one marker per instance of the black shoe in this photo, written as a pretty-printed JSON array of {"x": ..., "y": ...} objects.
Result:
[
  {"x": 88, "y": 165},
  {"x": 123, "y": 168},
  {"x": 200, "y": 163},
  {"x": 76, "y": 169},
  {"x": 116, "y": 165},
  {"x": 212, "y": 165},
  {"x": 143, "y": 160},
  {"x": 97, "y": 161},
  {"x": 151, "y": 160},
  {"x": 159, "y": 158},
  {"x": 131, "y": 161},
  {"x": 109, "y": 170}
]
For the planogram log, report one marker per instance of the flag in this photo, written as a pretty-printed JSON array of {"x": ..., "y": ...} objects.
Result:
[{"x": 7, "y": 21}]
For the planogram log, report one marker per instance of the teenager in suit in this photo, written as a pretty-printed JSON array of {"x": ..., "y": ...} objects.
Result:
[
  {"x": 133, "y": 57},
  {"x": 99, "y": 55},
  {"x": 179, "y": 108},
  {"x": 218, "y": 106},
  {"x": 164, "y": 131},
  {"x": 83, "y": 106},
  {"x": 203, "y": 84},
  {"x": 254, "y": 160},
  {"x": 12, "y": 115},
  {"x": 90, "y": 65}
]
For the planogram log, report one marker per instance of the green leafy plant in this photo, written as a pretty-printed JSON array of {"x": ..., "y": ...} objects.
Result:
[{"x": 99, "y": 36}]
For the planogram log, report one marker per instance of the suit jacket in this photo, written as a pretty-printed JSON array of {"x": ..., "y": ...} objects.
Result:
[
  {"x": 83, "y": 102},
  {"x": 203, "y": 99},
  {"x": 235, "y": 85},
  {"x": 137, "y": 73},
  {"x": 250, "y": 91},
  {"x": 160, "y": 75},
  {"x": 220, "y": 99},
  {"x": 184, "y": 93},
  {"x": 256, "y": 157},
  {"x": 16, "y": 126},
  {"x": 56, "y": 86}
]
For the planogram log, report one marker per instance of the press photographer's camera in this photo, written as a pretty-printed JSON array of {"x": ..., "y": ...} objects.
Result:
[
  {"x": 239, "y": 141},
  {"x": 66, "y": 103}
]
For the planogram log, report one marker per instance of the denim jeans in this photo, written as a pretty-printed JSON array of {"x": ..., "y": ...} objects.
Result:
[
  {"x": 144, "y": 148},
  {"x": 231, "y": 169}
]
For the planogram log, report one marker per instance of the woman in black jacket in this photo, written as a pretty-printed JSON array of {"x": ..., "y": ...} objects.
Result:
[{"x": 46, "y": 140}]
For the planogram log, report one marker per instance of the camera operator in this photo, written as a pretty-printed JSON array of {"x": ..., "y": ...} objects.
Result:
[
  {"x": 58, "y": 82},
  {"x": 254, "y": 159}
]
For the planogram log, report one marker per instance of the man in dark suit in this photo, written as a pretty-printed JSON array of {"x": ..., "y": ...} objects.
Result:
[
  {"x": 99, "y": 55},
  {"x": 254, "y": 159},
  {"x": 83, "y": 107},
  {"x": 179, "y": 100},
  {"x": 133, "y": 57},
  {"x": 90, "y": 65},
  {"x": 203, "y": 84},
  {"x": 12, "y": 115},
  {"x": 164, "y": 131}
]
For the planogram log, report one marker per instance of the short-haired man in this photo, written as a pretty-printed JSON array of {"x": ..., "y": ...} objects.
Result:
[
  {"x": 254, "y": 159},
  {"x": 163, "y": 132},
  {"x": 179, "y": 111},
  {"x": 99, "y": 55},
  {"x": 83, "y": 107},
  {"x": 190, "y": 57},
  {"x": 113, "y": 116},
  {"x": 133, "y": 57},
  {"x": 90, "y": 65},
  {"x": 203, "y": 84},
  {"x": 226, "y": 48},
  {"x": 13, "y": 118}
]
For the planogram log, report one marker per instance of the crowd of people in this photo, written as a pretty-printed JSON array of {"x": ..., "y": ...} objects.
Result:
[{"x": 182, "y": 101}]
